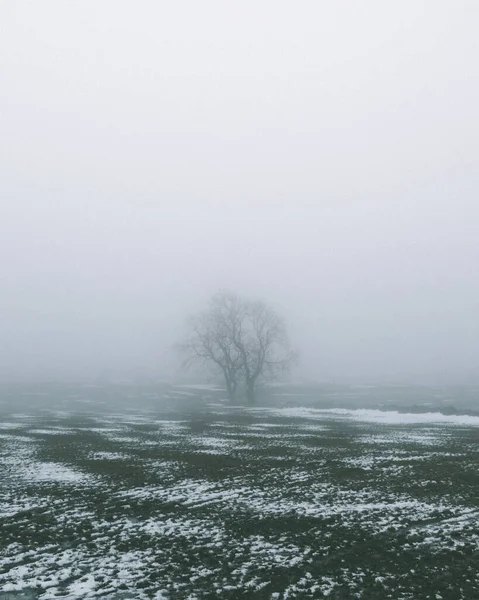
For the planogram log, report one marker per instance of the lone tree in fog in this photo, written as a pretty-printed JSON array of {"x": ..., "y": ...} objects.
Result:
[
  {"x": 245, "y": 340},
  {"x": 210, "y": 342}
]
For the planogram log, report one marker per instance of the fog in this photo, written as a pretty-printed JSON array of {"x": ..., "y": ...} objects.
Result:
[{"x": 322, "y": 156}]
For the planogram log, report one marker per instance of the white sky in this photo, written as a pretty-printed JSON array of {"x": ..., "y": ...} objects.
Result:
[{"x": 321, "y": 155}]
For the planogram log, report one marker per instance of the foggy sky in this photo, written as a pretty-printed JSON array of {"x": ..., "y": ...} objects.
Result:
[{"x": 320, "y": 155}]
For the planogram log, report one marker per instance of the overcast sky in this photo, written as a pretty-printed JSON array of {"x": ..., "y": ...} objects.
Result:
[{"x": 320, "y": 155}]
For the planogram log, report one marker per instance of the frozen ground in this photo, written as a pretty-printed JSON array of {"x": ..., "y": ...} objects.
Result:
[{"x": 235, "y": 503}]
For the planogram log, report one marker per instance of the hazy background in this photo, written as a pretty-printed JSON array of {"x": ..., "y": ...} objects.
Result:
[{"x": 321, "y": 155}]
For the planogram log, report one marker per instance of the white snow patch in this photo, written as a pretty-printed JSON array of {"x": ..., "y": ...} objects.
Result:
[
  {"x": 210, "y": 387},
  {"x": 50, "y": 471},
  {"x": 52, "y": 431},
  {"x": 389, "y": 417},
  {"x": 108, "y": 456}
]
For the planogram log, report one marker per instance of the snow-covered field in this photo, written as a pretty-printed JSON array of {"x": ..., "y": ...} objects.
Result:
[{"x": 236, "y": 503}]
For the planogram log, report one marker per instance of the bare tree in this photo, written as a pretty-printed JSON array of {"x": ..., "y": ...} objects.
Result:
[
  {"x": 210, "y": 342},
  {"x": 241, "y": 338},
  {"x": 263, "y": 345}
]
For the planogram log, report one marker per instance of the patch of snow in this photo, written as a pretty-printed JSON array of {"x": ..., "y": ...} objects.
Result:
[
  {"x": 109, "y": 456},
  {"x": 50, "y": 471},
  {"x": 383, "y": 417},
  {"x": 200, "y": 386}
]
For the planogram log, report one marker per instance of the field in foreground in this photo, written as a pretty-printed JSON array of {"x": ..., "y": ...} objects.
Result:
[{"x": 236, "y": 503}]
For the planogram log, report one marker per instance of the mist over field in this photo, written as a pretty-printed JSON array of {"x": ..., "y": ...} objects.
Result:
[
  {"x": 322, "y": 157},
  {"x": 239, "y": 300}
]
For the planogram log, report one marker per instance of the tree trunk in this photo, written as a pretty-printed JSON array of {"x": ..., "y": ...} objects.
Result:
[
  {"x": 231, "y": 388},
  {"x": 250, "y": 392}
]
